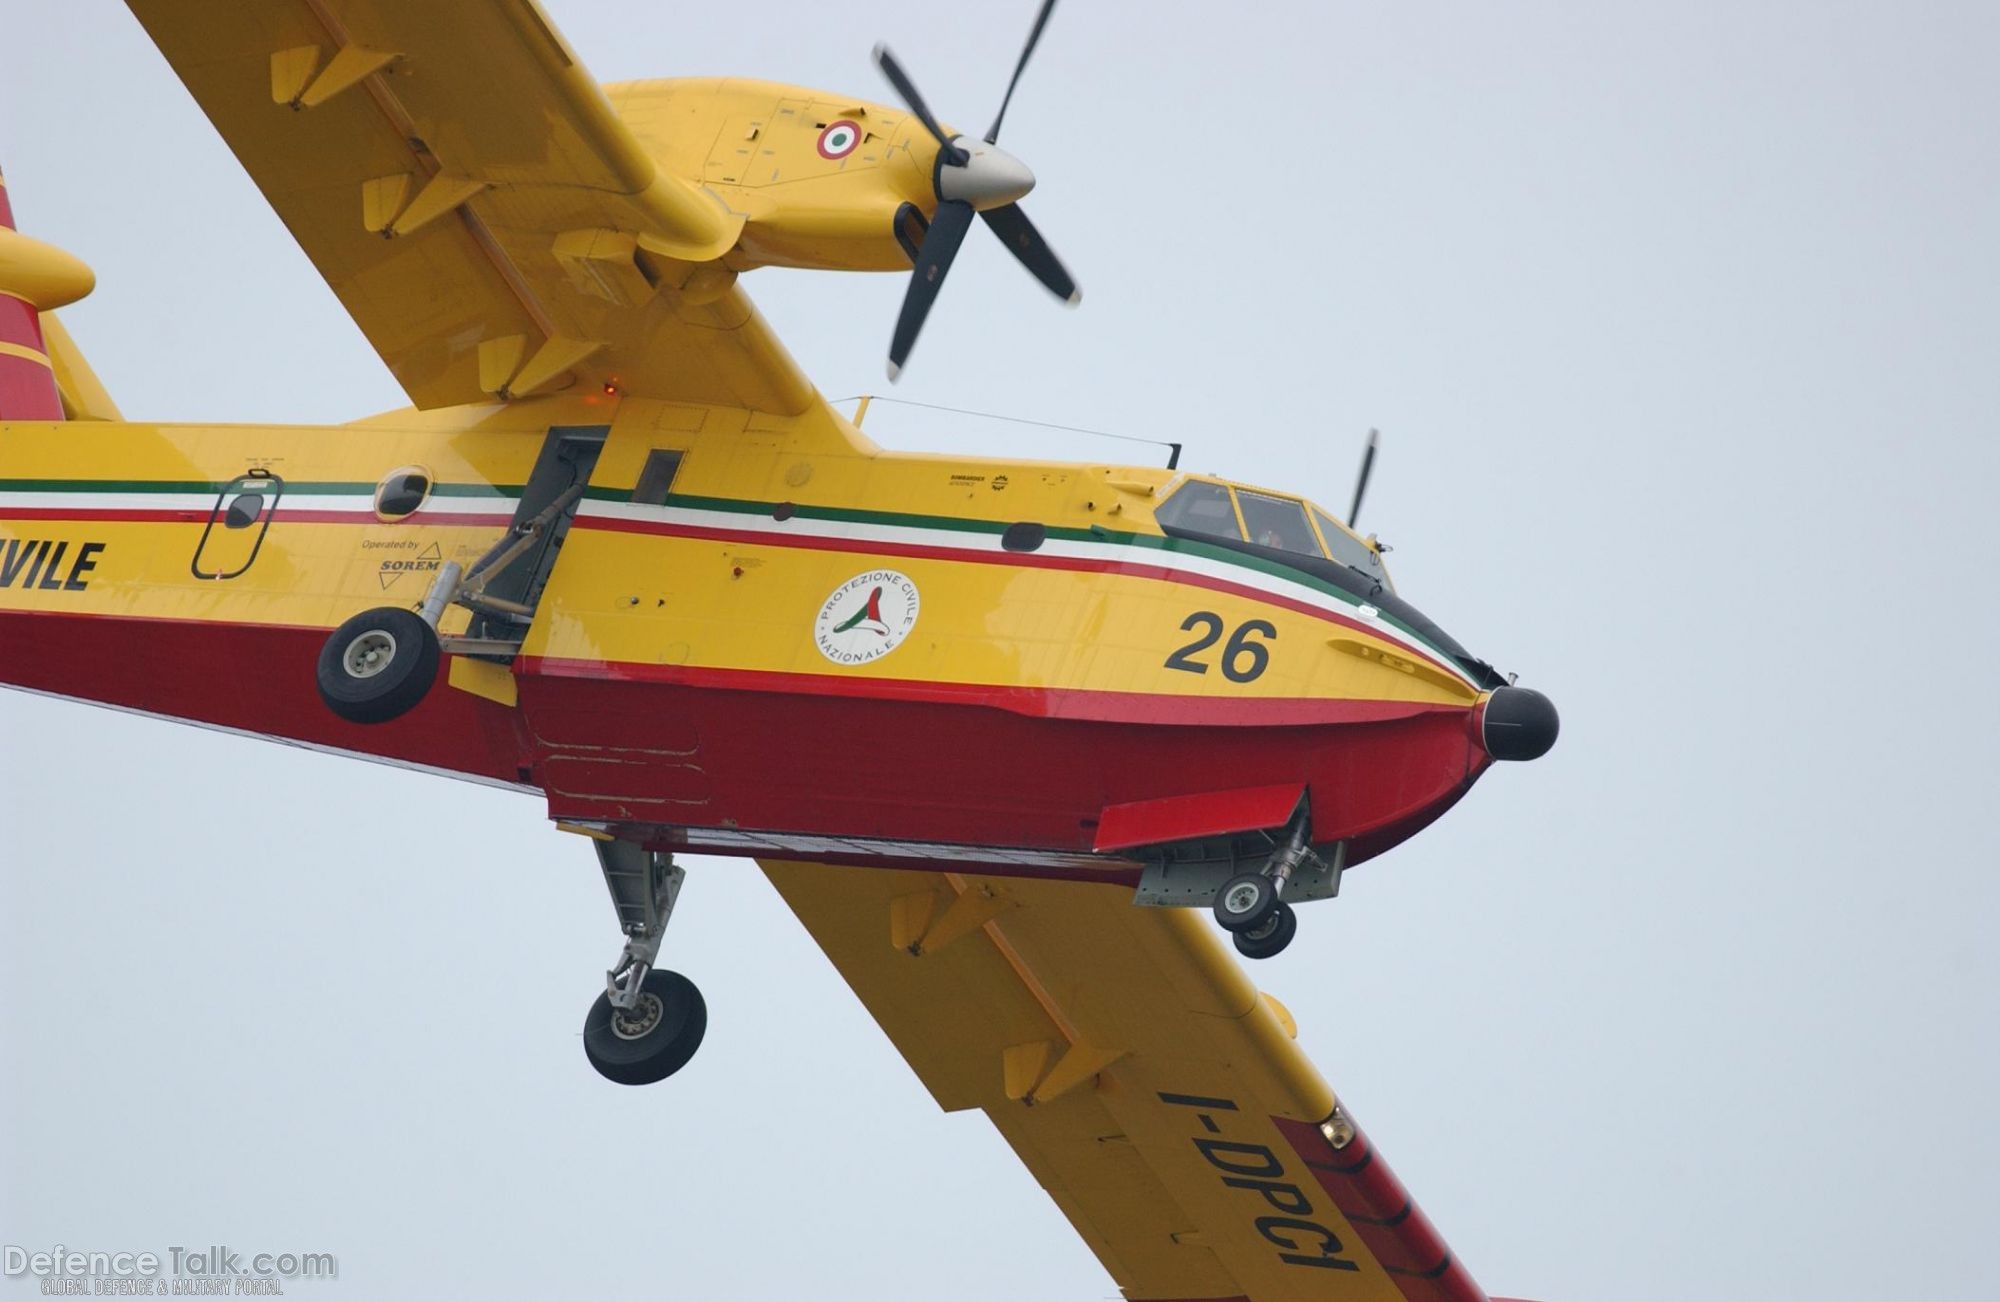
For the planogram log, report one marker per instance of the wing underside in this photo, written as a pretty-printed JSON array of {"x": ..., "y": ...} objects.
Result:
[
  {"x": 1156, "y": 1095},
  {"x": 469, "y": 194}
]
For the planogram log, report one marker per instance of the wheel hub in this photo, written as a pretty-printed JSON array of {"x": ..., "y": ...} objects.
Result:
[
  {"x": 369, "y": 654},
  {"x": 640, "y": 1019},
  {"x": 1241, "y": 899},
  {"x": 1264, "y": 930}
]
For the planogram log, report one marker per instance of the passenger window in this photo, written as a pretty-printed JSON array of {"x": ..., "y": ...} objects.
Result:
[
  {"x": 1277, "y": 522},
  {"x": 656, "y": 479},
  {"x": 237, "y": 524},
  {"x": 243, "y": 511},
  {"x": 401, "y": 493},
  {"x": 1200, "y": 508}
]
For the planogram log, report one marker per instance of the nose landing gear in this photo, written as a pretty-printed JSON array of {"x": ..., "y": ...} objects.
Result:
[
  {"x": 1247, "y": 901},
  {"x": 1250, "y": 906},
  {"x": 647, "y": 1023},
  {"x": 1269, "y": 937}
]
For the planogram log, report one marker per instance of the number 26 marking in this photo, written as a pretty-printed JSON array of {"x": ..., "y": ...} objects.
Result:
[{"x": 1242, "y": 659}]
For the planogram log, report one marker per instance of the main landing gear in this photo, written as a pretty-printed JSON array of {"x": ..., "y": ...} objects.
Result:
[
  {"x": 1250, "y": 906},
  {"x": 647, "y": 1023},
  {"x": 380, "y": 664}
]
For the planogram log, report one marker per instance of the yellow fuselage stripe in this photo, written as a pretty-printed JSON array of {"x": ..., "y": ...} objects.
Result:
[{"x": 23, "y": 352}]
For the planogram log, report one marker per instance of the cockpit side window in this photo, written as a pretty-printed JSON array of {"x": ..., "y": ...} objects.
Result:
[
  {"x": 1200, "y": 507},
  {"x": 1277, "y": 522},
  {"x": 1351, "y": 551}
]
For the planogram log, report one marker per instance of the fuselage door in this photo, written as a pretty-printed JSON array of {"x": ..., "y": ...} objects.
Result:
[{"x": 237, "y": 524}]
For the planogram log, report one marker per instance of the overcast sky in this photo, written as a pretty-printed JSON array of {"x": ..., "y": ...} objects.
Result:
[{"x": 1679, "y": 320}]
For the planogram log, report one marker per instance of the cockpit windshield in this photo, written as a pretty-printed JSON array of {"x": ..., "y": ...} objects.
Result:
[
  {"x": 1351, "y": 551},
  {"x": 1291, "y": 532},
  {"x": 1203, "y": 508},
  {"x": 1277, "y": 522}
]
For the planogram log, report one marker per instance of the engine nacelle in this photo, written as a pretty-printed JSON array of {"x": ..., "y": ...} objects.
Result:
[{"x": 821, "y": 181}]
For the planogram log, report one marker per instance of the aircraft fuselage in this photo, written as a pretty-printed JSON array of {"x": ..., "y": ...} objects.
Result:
[{"x": 755, "y": 636}]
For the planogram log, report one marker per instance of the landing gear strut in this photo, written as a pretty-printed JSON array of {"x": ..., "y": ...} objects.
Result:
[{"x": 647, "y": 1023}]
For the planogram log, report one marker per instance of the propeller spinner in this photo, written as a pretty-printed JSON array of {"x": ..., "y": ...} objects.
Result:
[{"x": 972, "y": 178}]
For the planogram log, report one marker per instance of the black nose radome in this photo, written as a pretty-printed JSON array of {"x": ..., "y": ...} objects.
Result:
[{"x": 1519, "y": 724}]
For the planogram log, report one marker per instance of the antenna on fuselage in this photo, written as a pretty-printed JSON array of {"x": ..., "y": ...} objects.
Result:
[
  {"x": 1361, "y": 484},
  {"x": 864, "y": 401}
]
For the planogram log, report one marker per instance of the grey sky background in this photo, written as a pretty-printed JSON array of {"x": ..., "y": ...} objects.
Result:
[{"x": 1679, "y": 320}]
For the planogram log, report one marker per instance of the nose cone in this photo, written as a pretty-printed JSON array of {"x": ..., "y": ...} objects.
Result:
[
  {"x": 990, "y": 178},
  {"x": 1518, "y": 723}
]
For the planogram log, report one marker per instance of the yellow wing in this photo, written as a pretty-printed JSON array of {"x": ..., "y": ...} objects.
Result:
[
  {"x": 1123, "y": 1053},
  {"x": 466, "y": 189}
]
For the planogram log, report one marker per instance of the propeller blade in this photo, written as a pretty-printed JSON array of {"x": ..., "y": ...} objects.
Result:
[
  {"x": 940, "y": 246},
  {"x": 1034, "y": 35},
  {"x": 1361, "y": 484},
  {"x": 908, "y": 90},
  {"x": 1032, "y": 251}
]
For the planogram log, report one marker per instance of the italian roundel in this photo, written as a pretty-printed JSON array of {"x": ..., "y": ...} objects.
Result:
[
  {"x": 866, "y": 618},
  {"x": 839, "y": 139}
]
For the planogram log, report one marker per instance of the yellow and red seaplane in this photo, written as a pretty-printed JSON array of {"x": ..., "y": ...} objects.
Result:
[{"x": 999, "y": 730}]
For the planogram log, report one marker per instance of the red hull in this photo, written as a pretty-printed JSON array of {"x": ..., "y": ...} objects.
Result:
[
  {"x": 253, "y": 678},
  {"x": 654, "y": 755}
]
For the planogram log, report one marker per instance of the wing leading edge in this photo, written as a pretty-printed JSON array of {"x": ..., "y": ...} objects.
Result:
[
  {"x": 1153, "y": 1091},
  {"x": 467, "y": 191}
]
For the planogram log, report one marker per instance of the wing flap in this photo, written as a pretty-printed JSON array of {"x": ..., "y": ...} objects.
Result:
[
  {"x": 438, "y": 163},
  {"x": 1139, "y": 1075}
]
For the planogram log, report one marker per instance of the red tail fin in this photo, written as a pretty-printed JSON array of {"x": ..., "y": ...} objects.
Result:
[{"x": 34, "y": 278}]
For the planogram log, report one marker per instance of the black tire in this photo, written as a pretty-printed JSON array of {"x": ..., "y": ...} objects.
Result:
[
  {"x": 660, "y": 1050},
  {"x": 378, "y": 665},
  {"x": 1271, "y": 938},
  {"x": 1246, "y": 901}
]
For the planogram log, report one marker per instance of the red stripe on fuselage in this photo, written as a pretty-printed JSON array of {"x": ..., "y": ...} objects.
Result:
[{"x": 284, "y": 514}]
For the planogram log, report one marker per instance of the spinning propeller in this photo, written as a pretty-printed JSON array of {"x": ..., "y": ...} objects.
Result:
[
  {"x": 971, "y": 178},
  {"x": 1361, "y": 483}
]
